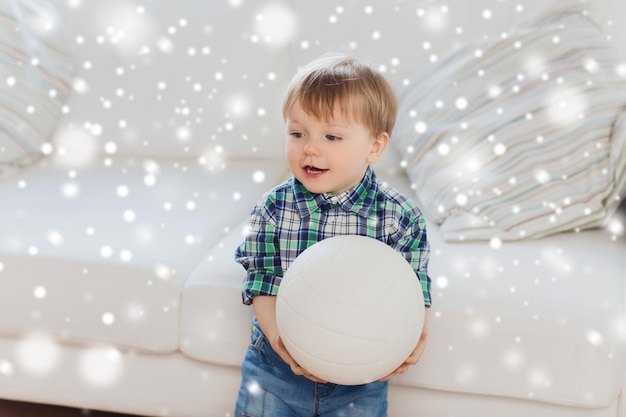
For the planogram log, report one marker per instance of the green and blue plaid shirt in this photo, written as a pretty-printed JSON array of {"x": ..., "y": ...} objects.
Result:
[{"x": 289, "y": 219}]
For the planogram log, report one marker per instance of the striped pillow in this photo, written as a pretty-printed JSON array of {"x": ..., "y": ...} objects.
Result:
[
  {"x": 36, "y": 66},
  {"x": 521, "y": 136}
]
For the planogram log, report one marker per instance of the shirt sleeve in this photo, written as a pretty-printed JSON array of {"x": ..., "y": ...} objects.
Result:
[
  {"x": 413, "y": 244},
  {"x": 259, "y": 254}
]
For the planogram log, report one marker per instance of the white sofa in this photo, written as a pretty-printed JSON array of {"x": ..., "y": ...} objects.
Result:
[{"x": 118, "y": 289}]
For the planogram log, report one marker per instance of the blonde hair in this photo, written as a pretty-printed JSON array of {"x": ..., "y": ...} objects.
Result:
[{"x": 341, "y": 83}]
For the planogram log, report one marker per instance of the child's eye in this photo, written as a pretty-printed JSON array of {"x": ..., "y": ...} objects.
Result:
[
  {"x": 297, "y": 134},
  {"x": 332, "y": 138}
]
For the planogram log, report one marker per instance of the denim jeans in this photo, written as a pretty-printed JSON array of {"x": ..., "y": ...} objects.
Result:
[{"x": 270, "y": 389}]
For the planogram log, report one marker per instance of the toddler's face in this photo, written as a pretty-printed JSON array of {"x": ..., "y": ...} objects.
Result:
[{"x": 330, "y": 156}]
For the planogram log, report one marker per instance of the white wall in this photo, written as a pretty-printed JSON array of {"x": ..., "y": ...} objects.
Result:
[{"x": 198, "y": 77}]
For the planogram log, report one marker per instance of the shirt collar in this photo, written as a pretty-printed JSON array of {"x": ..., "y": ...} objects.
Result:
[{"x": 358, "y": 199}]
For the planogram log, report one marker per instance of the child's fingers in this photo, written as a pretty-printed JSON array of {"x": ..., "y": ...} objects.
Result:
[
  {"x": 298, "y": 370},
  {"x": 284, "y": 354},
  {"x": 413, "y": 358},
  {"x": 295, "y": 367},
  {"x": 314, "y": 378},
  {"x": 417, "y": 353}
]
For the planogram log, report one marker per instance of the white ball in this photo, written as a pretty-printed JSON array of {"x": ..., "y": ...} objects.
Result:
[{"x": 350, "y": 309}]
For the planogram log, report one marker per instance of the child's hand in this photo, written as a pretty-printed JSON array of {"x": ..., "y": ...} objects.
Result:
[
  {"x": 281, "y": 350},
  {"x": 415, "y": 356},
  {"x": 265, "y": 311}
]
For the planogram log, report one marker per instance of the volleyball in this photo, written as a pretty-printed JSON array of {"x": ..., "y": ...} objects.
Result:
[{"x": 350, "y": 309}]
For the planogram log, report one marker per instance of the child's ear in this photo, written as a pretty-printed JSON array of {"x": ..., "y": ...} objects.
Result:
[{"x": 379, "y": 145}]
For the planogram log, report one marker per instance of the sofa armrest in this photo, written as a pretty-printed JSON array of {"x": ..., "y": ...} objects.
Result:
[{"x": 214, "y": 323}]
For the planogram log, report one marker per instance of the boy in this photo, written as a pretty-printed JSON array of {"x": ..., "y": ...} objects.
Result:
[{"x": 339, "y": 115}]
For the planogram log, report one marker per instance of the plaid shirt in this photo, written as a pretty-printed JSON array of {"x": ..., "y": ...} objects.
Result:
[{"x": 289, "y": 219}]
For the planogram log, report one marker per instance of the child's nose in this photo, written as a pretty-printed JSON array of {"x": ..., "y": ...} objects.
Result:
[{"x": 310, "y": 148}]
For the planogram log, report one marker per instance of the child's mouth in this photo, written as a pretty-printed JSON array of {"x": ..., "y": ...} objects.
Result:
[{"x": 314, "y": 170}]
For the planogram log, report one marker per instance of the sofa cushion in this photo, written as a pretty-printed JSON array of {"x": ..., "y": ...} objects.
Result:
[
  {"x": 519, "y": 136},
  {"x": 538, "y": 320},
  {"x": 36, "y": 63},
  {"x": 214, "y": 322},
  {"x": 101, "y": 255}
]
